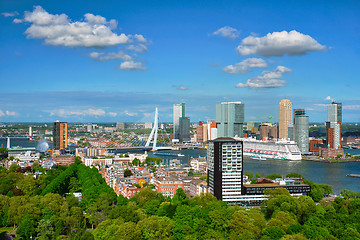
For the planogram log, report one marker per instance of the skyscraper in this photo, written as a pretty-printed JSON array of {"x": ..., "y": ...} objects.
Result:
[
  {"x": 230, "y": 119},
  {"x": 60, "y": 135},
  {"x": 181, "y": 124},
  {"x": 285, "y": 117},
  {"x": 301, "y": 126},
  {"x": 333, "y": 125},
  {"x": 225, "y": 169}
]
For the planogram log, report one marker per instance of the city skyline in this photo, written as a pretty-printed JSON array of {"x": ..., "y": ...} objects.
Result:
[{"x": 117, "y": 63}]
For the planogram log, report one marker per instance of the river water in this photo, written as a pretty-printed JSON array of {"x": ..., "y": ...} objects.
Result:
[{"x": 319, "y": 172}]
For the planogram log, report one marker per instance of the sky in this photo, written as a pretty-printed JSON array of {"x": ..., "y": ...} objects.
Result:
[{"x": 115, "y": 61}]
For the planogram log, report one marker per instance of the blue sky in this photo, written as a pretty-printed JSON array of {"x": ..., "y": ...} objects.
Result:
[{"x": 118, "y": 60}]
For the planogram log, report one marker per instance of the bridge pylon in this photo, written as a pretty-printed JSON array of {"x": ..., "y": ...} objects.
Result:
[{"x": 154, "y": 132}]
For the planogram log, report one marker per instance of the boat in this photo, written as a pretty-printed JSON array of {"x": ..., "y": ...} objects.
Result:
[
  {"x": 353, "y": 175},
  {"x": 166, "y": 154},
  {"x": 181, "y": 155},
  {"x": 284, "y": 150}
]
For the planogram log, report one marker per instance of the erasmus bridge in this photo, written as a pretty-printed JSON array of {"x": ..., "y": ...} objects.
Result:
[{"x": 151, "y": 143}]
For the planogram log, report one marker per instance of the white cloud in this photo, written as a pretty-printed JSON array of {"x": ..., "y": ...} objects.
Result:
[
  {"x": 112, "y": 114},
  {"x": 17, "y": 20},
  {"x": 182, "y": 88},
  {"x": 88, "y": 112},
  {"x": 131, "y": 65},
  {"x": 140, "y": 48},
  {"x": 131, "y": 114},
  {"x": 140, "y": 38},
  {"x": 279, "y": 44},
  {"x": 328, "y": 98},
  {"x": 10, "y": 14},
  {"x": 10, "y": 113},
  {"x": 110, "y": 56},
  {"x": 227, "y": 32},
  {"x": 351, "y": 107},
  {"x": 269, "y": 79},
  {"x": 245, "y": 65},
  {"x": 58, "y": 30},
  {"x": 2, "y": 113}
]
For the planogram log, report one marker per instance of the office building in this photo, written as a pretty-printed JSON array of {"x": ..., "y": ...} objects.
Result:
[
  {"x": 181, "y": 123},
  {"x": 120, "y": 125},
  {"x": 285, "y": 117},
  {"x": 333, "y": 125},
  {"x": 230, "y": 119},
  {"x": 212, "y": 129},
  {"x": 225, "y": 169},
  {"x": 60, "y": 140},
  {"x": 301, "y": 130},
  {"x": 200, "y": 132}
]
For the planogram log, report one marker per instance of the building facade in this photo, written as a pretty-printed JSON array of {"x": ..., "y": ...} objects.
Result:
[
  {"x": 181, "y": 124},
  {"x": 225, "y": 169},
  {"x": 285, "y": 117},
  {"x": 60, "y": 139},
  {"x": 301, "y": 123},
  {"x": 230, "y": 119},
  {"x": 333, "y": 125}
]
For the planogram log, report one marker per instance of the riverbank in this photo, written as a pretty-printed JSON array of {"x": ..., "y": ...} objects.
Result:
[{"x": 332, "y": 160}]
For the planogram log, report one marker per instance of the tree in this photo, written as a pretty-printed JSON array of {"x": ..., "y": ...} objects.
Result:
[
  {"x": 156, "y": 227},
  {"x": 6, "y": 184},
  {"x": 274, "y": 176},
  {"x": 45, "y": 229},
  {"x": 14, "y": 167},
  {"x": 274, "y": 232},
  {"x": 127, "y": 173},
  {"x": 28, "y": 185},
  {"x": 26, "y": 229},
  {"x": 107, "y": 229},
  {"x": 294, "y": 175}
]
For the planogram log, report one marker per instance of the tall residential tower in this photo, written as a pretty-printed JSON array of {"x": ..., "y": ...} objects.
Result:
[
  {"x": 301, "y": 130},
  {"x": 60, "y": 140},
  {"x": 333, "y": 125},
  {"x": 285, "y": 117}
]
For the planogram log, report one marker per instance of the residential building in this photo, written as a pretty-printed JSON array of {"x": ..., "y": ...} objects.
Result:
[
  {"x": 60, "y": 138},
  {"x": 212, "y": 130},
  {"x": 225, "y": 169},
  {"x": 63, "y": 159},
  {"x": 333, "y": 125},
  {"x": 168, "y": 186},
  {"x": 200, "y": 132},
  {"x": 285, "y": 117},
  {"x": 197, "y": 187},
  {"x": 230, "y": 119}
]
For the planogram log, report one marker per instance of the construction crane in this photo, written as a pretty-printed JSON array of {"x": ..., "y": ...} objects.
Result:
[{"x": 269, "y": 117}]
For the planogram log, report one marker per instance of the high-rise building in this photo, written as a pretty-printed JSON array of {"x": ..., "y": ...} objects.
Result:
[
  {"x": 301, "y": 130},
  {"x": 333, "y": 125},
  {"x": 200, "y": 132},
  {"x": 60, "y": 140},
  {"x": 181, "y": 123},
  {"x": 225, "y": 169},
  {"x": 285, "y": 117},
  {"x": 230, "y": 119},
  {"x": 120, "y": 125},
  {"x": 212, "y": 129}
]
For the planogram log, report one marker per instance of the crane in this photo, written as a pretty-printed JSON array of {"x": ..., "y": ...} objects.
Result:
[{"x": 269, "y": 117}]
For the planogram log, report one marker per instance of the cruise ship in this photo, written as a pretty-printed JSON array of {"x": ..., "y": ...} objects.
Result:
[{"x": 287, "y": 150}]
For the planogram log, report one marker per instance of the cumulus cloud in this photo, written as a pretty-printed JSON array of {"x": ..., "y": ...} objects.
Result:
[
  {"x": 88, "y": 112},
  {"x": 110, "y": 56},
  {"x": 227, "y": 32},
  {"x": 140, "y": 48},
  {"x": 7, "y": 113},
  {"x": 58, "y": 30},
  {"x": 131, "y": 65},
  {"x": 140, "y": 38},
  {"x": 112, "y": 114},
  {"x": 10, "y": 113},
  {"x": 269, "y": 79},
  {"x": 279, "y": 44},
  {"x": 245, "y": 65},
  {"x": 10, "y": 14}
]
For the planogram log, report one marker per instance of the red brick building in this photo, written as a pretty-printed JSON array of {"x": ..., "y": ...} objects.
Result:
[
  {"x": 314, "y": 145},
  {"x": 168, "y": 186},
  {"x": 63, "y": 159}
]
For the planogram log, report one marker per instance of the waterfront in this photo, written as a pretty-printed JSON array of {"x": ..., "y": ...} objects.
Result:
[{"x": 319, "y": 172}]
